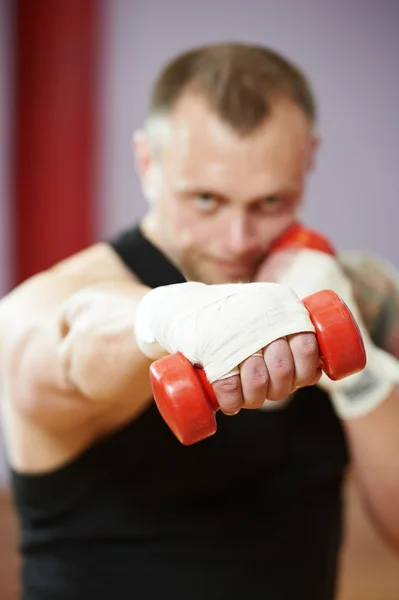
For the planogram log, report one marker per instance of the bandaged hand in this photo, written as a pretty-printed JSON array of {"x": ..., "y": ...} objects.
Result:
[
  {"x": 254, "y": 340},
  {"x": 308, "y": 271}
]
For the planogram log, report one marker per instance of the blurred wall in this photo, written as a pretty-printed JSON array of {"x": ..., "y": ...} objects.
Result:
[
  {"x": 349, "y": 50},
  {"x": 5, "y": 139}
]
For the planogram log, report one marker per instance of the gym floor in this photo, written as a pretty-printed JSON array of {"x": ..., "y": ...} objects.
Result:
[{"x": 369, "y": 570}]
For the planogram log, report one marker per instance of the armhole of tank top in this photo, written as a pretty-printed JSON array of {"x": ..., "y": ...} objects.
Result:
[{"x": 145, "y": 260}]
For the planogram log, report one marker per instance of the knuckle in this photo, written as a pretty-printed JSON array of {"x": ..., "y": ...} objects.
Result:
[
  {"x": 229, "y": 395},
  {"x": 281, "y": 366},
  {"x": 257, "y": 375},
  {"x": 230, "y": 385},
  {"x": 307, "y": 347}
]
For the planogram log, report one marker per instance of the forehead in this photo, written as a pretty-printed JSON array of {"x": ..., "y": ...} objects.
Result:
[{"x": 200, "y": 149}]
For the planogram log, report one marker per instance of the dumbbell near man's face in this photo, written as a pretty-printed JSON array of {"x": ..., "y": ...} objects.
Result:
[{"x": 217, "y": 199}]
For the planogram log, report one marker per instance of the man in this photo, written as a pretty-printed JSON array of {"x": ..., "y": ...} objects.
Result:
[{"x": 110, "y": 502}]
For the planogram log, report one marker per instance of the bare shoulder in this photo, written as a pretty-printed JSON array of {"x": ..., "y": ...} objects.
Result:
[
  {"x": 96, "y": 264},
  {"x": 375, "y": 283}
]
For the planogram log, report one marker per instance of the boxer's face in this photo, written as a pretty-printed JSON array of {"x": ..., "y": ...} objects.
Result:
[{"x": 217, "y": 200}]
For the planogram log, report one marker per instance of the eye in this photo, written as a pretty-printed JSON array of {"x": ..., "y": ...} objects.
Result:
[
  {"x": 206, "y": 201},
  {"x": 271, "y": 204},
  {"x": 272, "y": 200}
]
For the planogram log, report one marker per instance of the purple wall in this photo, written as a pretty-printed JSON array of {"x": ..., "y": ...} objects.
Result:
[{"x": 349, "y": 49}]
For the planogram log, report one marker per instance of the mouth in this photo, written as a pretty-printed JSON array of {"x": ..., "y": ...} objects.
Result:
[{"x": 236, "y": 269}]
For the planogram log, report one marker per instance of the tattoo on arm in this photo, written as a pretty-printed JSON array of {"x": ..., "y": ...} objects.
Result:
[{"x": 376, "y": 289}]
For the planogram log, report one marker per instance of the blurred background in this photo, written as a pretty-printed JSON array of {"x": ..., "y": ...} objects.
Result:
[{"x": 75, "y": 77}]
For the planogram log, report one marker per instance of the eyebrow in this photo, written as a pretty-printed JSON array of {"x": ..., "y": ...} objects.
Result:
[{"x": 192, "y": 189}]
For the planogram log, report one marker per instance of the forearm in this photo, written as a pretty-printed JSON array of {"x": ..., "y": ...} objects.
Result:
[{"x": 374, "y": 447}]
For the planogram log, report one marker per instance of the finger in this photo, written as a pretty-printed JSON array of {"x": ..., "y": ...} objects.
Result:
[
  {"x": 305, "y": 353},
  {"x": 313, "y": 381},
  {"x": 280, "y": 364},
  {"x": 254, "y": 381},
  {"x": 229, "y": 394},
  {"x": 316, "y": 378}
]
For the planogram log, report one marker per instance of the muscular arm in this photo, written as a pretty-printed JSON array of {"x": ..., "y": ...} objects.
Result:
[
  {"x": 374, "y": 438},
  {"x": 376, "y": 288},
  {"x": 68, "y": 352}
]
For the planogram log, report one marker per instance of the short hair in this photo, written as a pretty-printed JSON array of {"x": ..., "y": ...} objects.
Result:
[{"x": 240, "y": 82}]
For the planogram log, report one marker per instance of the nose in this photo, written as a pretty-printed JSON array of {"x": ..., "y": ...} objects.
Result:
[{"x": 240, "y": 237}]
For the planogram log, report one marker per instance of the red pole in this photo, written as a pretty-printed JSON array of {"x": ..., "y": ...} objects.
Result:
[{"x": 56, "y": 43}]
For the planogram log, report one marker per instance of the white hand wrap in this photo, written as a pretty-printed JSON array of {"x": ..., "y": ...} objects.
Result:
[
  {"x": 217, "y": 326},
  {"x": 358, "y": 394}
]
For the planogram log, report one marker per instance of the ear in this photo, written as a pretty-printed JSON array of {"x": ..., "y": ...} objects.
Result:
[
  {"x": 315, "y": 143},
  {"x": 141, "y": 152},
  {"x": 147, "y": 169}
]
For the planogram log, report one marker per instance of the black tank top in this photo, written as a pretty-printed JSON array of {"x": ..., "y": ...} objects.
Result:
[{"x": 252, "y": 512}]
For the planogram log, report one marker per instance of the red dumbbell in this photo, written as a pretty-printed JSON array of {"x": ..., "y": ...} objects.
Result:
[{"x": 186, "y": 399}]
